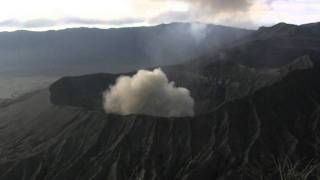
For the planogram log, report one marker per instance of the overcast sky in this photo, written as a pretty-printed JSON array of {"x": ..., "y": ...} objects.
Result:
[{"x": 57, "y": 14}]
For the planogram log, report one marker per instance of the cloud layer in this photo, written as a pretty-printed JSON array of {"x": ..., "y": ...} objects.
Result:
[
  {"x": 59, "y": 14},
  {"x": 150, "y": 93},
  {"x": 36, "y": 23}
]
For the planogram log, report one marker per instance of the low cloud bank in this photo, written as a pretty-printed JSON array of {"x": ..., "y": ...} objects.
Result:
[{"x": 150, "y": 93}]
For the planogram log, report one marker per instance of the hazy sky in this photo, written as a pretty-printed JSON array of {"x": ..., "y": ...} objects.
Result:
[{"x": 56, "y": 14}]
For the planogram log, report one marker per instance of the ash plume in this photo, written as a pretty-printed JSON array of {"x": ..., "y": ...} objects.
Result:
[{"x": 150, "y": 93}]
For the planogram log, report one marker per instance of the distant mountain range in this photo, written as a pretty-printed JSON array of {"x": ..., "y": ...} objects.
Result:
[
  {"x": 89, "y": 50},
  {"x": 85, "y": 50}
]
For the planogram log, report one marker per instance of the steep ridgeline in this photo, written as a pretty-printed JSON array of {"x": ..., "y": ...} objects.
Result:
[
  {"x": 89, "y": 50},
  {"x": 42, "y": 141},
  {"x": 273, "y": 46}
]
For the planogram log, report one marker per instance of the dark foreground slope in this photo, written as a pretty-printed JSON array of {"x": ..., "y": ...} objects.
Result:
[{"x": 40, "y": 140}]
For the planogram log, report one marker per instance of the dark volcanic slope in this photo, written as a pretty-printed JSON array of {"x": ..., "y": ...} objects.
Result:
[
  {"x": 44, "y": 141},
  {"x": 274, "y": 46},
  {"x": 210, "y": 85},
  {"x": 85, "y": 50}
]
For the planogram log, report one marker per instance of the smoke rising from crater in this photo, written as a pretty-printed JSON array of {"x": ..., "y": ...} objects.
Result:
[{"x": 150, "y": 93}]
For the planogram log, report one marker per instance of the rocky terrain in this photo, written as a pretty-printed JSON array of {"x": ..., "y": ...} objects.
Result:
[{"x": 247, "y": 118}]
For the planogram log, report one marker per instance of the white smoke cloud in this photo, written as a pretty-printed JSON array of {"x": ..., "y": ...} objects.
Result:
[
  {"x": 150, "y": 93},
  {"x": 198, "y": 31}
]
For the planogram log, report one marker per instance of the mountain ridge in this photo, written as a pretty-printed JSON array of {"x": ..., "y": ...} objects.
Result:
[
  {"x": 208, "y": 146},
  {"x": 79, "y": 51}
]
